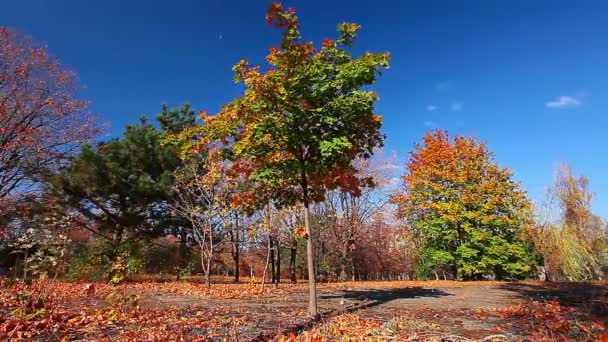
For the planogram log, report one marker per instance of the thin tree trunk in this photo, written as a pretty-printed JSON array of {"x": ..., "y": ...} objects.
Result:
[
  {"x": 266, "y": 266},
  {"x": 204, "y": 266},
  {"x": 181, "y": 254},
  {"x": 278, "y": 267},
  {"x": 237, "y": 257},
  {"x": 352, "y": 265},
  {"x": 208, "y": 280},
  {"x": 273, "y": 273},
  {"x": 343, "y": 262},
  {"x": 310, "y": 257},
  {"x": 236, "y": 252},
  {"x": 25, "y": 255},
  {"x": 292, "y": 261}
]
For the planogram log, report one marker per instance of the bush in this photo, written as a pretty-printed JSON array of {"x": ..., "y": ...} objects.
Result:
[{"x": 99, "y": 260}]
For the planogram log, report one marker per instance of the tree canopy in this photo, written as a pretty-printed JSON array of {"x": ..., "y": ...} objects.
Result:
[
  {"x": 42, "y": 120},
  {"x": 301, "y": 122},
  {"x": 466, "y": 209},
  {"x": 123, "y": 186}
]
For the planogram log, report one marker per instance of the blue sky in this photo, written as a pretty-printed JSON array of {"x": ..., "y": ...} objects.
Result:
[{"x": 529, "y": 78}]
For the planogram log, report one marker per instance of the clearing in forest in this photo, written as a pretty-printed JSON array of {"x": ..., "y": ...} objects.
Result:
[{"x": 396, "y": 310}]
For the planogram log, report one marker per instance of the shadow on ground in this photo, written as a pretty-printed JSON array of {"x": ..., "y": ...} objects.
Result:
[
  {"x": 590, "y": 298},
  {"x": 382, "y": 296}
]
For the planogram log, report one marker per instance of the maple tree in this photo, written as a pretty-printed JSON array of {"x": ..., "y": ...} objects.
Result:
[
  {"x": 290, "y": 162},
  {"x": 301, "y": 122},
  {"x": 467, "y": 211},
  {"x": 42, "y": 121}
]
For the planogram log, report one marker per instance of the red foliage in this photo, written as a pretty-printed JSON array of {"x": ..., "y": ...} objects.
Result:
[{"x": 41, "y": 119}]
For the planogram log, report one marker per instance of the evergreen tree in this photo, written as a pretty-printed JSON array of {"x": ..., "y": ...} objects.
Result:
[{"x": 124, "y": 186}]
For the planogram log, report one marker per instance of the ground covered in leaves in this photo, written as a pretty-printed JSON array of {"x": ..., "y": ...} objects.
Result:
[{"x": 354, "y": 311}]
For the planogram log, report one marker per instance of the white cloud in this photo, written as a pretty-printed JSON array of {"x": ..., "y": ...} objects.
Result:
[
  {"x": 430, "y": 124},
  {"x": 394, "y": 182},
  {"x": 443, "y": 85},
  {"x": 563, "y": 102},
  {"x": 391, "y": 166},
  {"x": 431, "y": 108},
  {"x": 457, "y": 106}
]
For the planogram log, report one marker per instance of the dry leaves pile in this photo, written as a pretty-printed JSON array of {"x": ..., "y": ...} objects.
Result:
[
  {"x": 68, "y": 311},
  {"x": 352, "y": 327},
  {"x": 533, "y": 321},
  {"x": 551, "y": 321},
  {"x": 56, "y": 310}
]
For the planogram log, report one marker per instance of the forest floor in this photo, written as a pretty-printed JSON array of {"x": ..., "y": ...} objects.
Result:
[{"x": 381, "y": 311}]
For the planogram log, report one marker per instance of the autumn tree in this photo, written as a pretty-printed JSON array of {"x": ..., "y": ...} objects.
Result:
[
  {"x": 202, "y": 197},
  {"x": 45, "y": 243},
  {"x": 466, "y": 210},
  {"x": 290, "y": 233},
  {"x": 572, "y": 241},
  {"x": 302, "y": 121},
  {"x": 343, "y": 217},
  {"x": 283, "y": 231},
  {"x": 383, "y": 251},
  {"x": 42, "y": 121}
]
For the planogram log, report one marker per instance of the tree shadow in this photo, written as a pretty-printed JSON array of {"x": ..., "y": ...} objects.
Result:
[
  {"x": 362, "y": 299},
  {"x": 587, "y": 298},
  {"x": 381, "y": 296}
]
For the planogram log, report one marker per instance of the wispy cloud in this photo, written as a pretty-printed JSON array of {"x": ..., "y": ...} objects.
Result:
[
  {"x": 564, "y": 102},
  {"x": 394, "y": 182},
  {"x": 457, "y": 106},
  {"x": 431, "y": 108},
  {"x": 443, "y": 85},
  {"x": 430, "y": 124}
]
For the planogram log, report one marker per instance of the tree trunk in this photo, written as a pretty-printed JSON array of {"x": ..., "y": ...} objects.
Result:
[
  {"x": 237, "y": 261},
  {"x": 208, "y": 280},
  {"x": 206, "y": 264},
  {"x": 235, "y": 241},
  {"x": 266, "y": 266},
  {"x": 310, "y": 258},
  {"x": 292, "y": 261},
  {"x": 25, "y": 255},
  {"x": 343, "y": 262},
  {"x": 278, "y": 267},
  {"x": 352, "y": 265},
  {"x": 273, "y": 274},
  {"x": 181, "y": 254}
]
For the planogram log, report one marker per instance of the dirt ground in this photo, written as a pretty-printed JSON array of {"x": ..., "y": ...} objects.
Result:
[{"x": 457, "y": 308}]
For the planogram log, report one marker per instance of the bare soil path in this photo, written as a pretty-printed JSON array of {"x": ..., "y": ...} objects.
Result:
[{"x": 452, "y": 306}]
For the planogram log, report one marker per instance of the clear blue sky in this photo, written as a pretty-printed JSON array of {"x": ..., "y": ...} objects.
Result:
[{"x": 531, "y": 80}]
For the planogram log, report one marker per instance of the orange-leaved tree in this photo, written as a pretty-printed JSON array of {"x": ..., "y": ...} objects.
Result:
[
  {"x": 467, "y": 210},
  {"x": 300, "y": 122}
]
